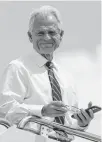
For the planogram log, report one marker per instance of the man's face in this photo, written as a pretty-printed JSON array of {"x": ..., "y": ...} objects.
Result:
[{"x": 46, "y": 34}]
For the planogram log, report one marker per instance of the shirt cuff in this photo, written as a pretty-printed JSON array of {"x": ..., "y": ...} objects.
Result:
[
  {"x": 76, "y": 126},
  {"x": 35, "y": 110}
]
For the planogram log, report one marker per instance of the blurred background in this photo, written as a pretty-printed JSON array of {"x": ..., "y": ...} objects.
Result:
[{"x": 80, "y": 50}]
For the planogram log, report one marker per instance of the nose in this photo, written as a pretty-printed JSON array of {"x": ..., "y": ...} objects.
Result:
[{"x": 47, "y": 36}]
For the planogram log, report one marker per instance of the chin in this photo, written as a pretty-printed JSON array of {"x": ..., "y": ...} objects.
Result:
[{"x": 47, "y": 51}]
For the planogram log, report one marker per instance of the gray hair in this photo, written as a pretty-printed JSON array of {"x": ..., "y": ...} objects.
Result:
[{"x": 44, "y": 11}]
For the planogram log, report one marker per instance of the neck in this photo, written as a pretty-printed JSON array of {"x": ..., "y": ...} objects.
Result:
[{"x": 49, "y": 57}]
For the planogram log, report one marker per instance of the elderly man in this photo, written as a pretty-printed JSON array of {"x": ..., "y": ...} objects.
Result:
[{"x": 35, "y": 84}]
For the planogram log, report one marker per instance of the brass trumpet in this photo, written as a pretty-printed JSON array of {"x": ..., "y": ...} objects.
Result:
[{"x": 52, "y": 125}]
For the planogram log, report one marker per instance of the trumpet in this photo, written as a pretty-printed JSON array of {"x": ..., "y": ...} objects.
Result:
[{"x": 52, "y": 125}]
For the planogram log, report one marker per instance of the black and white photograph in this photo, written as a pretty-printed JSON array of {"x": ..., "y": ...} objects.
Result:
[{"x": 50, "y": 71}]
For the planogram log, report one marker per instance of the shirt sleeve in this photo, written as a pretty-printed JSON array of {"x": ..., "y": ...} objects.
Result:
[{"x": 13, "y": 91}]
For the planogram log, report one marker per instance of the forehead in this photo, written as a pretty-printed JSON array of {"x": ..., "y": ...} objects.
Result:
[{"x": 42, "y": 22}]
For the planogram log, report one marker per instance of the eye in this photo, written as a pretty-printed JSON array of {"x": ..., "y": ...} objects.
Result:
[
  {"x": 52, "y": 33},
  {"x": 41, "y": 33}
]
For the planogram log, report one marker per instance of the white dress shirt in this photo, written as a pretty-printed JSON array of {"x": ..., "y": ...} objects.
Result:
[{"x": 25, "y": 89}]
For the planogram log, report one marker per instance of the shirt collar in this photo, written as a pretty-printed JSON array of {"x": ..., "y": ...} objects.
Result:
[{"x": 40, "y": 60}]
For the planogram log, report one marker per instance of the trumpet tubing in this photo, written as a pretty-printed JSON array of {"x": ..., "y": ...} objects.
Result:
[{"x": 68, "y": 130}]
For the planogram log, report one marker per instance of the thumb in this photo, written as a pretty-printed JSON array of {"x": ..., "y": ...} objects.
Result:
[{"x": 89, "y": 104}]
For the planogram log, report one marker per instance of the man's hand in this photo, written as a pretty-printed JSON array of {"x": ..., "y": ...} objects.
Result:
[
  {"x": 54, "y": 109},
  {"x": 83, "y": 117}
]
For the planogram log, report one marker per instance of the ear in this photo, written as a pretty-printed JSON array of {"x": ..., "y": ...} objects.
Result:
[
  {"x": 30, "y": 36},
  {"x": 61, "y": 34}
]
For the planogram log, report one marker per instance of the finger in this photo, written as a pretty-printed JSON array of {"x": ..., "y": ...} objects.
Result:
[
  {"x": 55, "y": 113},
  {"x": 58, "y": 103},
  {"x": 58, "y": 113},
  {"x": 61, "y": 109},
  {"x": 89, "y": 104},
  {"x": 80, "y": 121},
  {"x": 91, "y": 114},
  {"x": 82, "y": 118},
  {"x": 77, "y": 117},
  {"x": 85, "y": 114}
]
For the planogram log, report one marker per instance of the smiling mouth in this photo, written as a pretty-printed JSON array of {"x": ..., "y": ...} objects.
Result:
[{"x": 46, "y": 45}]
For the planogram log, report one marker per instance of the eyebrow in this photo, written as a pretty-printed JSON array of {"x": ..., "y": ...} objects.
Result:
[{"x": 50, "y": 28}]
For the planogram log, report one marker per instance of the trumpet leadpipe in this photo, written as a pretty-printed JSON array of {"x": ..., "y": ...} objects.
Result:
[{"x": 52, "y": 125}]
